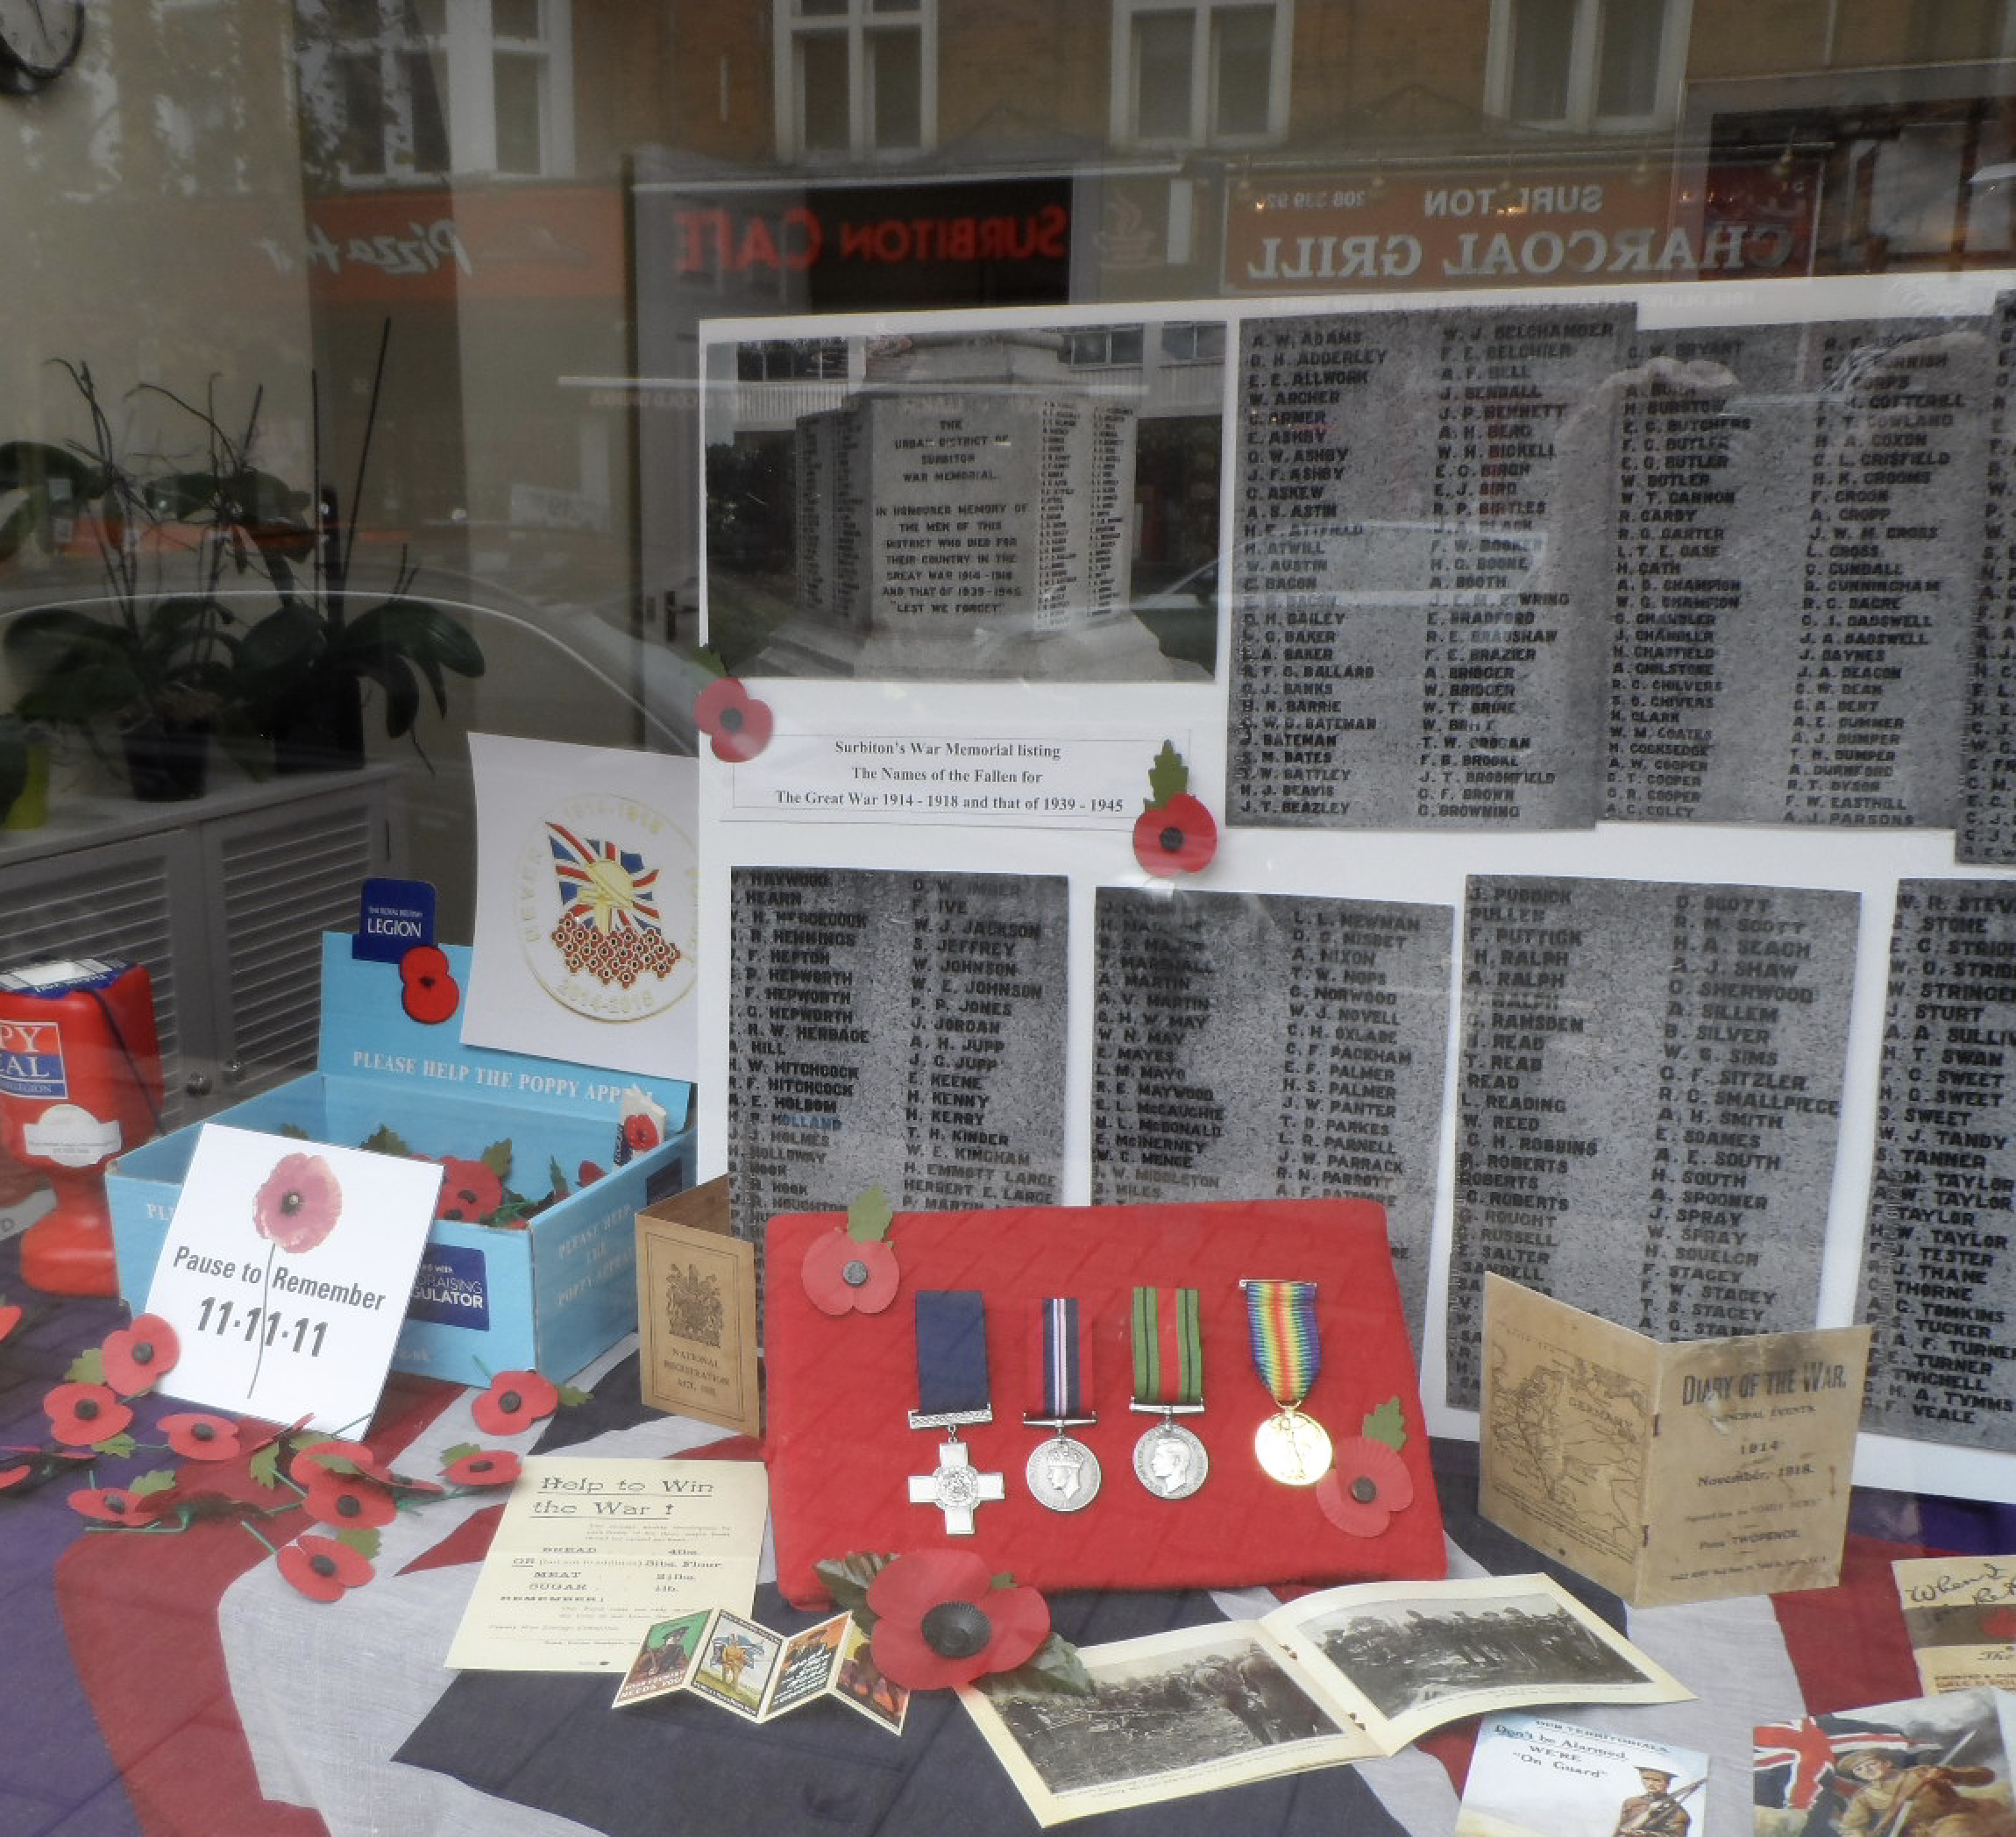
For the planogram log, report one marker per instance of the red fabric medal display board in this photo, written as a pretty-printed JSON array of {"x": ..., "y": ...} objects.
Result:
[{"x": 842, "y": 1452}]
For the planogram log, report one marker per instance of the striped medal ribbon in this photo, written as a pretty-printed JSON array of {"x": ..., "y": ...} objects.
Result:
[
  {"x": 1287, "y": 1354},
  {"x": 1168, "y": 1338}
]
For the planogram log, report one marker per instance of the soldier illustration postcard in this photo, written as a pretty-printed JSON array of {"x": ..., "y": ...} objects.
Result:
[
  {"x": 1670, "y": 1473},
  {"x": 1343, "y": 1675},
  {"x": 1531, "y": 1777},
  {"x": 1930, "y": 1765}
]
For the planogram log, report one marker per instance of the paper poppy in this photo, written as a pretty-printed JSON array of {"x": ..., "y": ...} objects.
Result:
[
  {"x": 470, "y": 1191},
  {"x": 515, "y": 1401},
  {"x": 10, "y": 1318},
  {"x": 113, "y": 1505},
  {"x": 586, "y": 1174},
  {"x": 346, "y": 1500},
  {"x": 299, "y": 1204},
  {"x": 321, "y": 1567},
  {"x": 1178, "y": 837},
  {"x": 198, "y": 1435},
  {"x": 843, "y": 1274},
  {"x": 352, "y": 1458},
  {"x": 736, "y": 724},
  {"x": 85, "y": 1414},
  {"x": 429, "y": 994},
  {"x": 943, "y": 1622},
  {"x": 483, "y": 1467},
  {"x": 1366, "y": 1483},
  {"x": 640, "y": 1133},
  {"x": 136, "y": 1356},
  {"x": 13, "y": 1476}
]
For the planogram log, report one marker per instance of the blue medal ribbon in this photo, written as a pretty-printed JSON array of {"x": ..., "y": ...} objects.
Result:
[{"x": 952, "y": 1356}]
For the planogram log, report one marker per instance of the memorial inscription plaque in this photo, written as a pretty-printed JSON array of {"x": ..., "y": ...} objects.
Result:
[
  {"x": 1648, "y": 1101},
  {"x": 900, "y": 1029},
  {"x": 1939, "y": 1275},
  {"x": 1987, "y": 827},
  {"x": 1418, "y": 584},
  {"x": 1272, "y": 1046}
]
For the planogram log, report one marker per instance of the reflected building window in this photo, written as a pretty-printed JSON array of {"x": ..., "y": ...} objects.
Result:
[
  {"x": 405, "y": 91},
  {"x": 1201, "y": 73},
  {"x": 1588, "y": 64},
  {"x": 857, "y": 78}
]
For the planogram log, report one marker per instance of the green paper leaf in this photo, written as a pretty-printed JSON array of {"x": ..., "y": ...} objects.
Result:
[
  {"x": 570, "y": 1398},
  {"x": 497, "y": 1158},
  {"x": 1384, "y": 1425},
  {"x": 1168, "y": 777},
  {"x": 162, "y": 1480},
  {"x": 362, "y": 1538},
  {"x": 1056, "y": 1670},
  {"x": 264, "y": 1467},
  {"x": 382, "y": 1140},
  {"x": 460, "y": 1451},
  {"x": 869, "y": 1217},
  {"x": 88, "y": 1367},
  {"x": 711, "y": 660},
  {"x": 557, "y": 1180},
  {"x": 847, "y": 1578},
  {"x": 293, "y": 1131},
  {"x": 117, "y": 1448}
]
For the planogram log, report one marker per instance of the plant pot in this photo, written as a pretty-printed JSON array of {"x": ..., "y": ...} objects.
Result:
[
  {"x": 30, "y": 809},
  {"x": 167, "y": 761},
  {"x": 319, "y": 727}
]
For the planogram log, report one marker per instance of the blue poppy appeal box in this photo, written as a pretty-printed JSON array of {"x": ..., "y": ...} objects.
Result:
[{"x": 549, "y": 1294}]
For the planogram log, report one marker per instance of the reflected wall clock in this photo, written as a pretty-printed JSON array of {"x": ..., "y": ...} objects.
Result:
[{"x": 39, "y": 41}]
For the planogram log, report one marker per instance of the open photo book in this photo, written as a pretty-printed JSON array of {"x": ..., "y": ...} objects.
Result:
[{"x": 1343, "y": 1675}]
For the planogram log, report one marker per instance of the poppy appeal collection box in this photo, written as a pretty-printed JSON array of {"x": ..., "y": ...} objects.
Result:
[{"x": 550, "y": 1294}]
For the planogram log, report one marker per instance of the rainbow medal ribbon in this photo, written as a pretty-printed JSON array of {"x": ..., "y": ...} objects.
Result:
[
  {"x": 1169, "y": 1382},
  {"x": 1291, "y": 1447},
  {"x": 952, "y": 1392},
  {"x": 1062, "y": 1473}
]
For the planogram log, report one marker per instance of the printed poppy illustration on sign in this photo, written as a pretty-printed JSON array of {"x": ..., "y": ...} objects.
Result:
[{"x": 587, "y": 900}]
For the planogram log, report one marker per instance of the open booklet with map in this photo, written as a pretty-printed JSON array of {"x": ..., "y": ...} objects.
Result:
[
  {"x": 1668, "y": 1473},
  {"x": 1344, "y": 1675}
]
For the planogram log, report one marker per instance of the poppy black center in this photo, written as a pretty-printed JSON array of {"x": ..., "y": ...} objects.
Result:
[
  {"x": 290, "y": 1204},
  {"x": 732, "y": 718},
  {"x": 348, "y": 1505},
  {"x": 854, "y": 1272},
  {"x": 116, "y": 1502},
  {"x": 322, "y": 1565},
  {"x": 511, "y": 1402},
  {"x": 86, "y": 1408},
  {"x": 144, "y": 1353},
  {"x": 1365, "y": 1489},
  {"x": 203, "y": 1431},
  {"x": 956, "y": 1630},
  {"x": 1171, "y": 840}
]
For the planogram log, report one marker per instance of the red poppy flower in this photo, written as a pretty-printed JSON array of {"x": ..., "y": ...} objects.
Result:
[
  {"x": 113, "y": 1505},
  {"x": 322, "y": 1568},
  {"x": 85, "y": 1414},
  {"x": 640, "y": 1133},
  {"x": 10, "y": 1318},
  {"x": 843, "y": 1274},
  {"x": 136, "y": 1356},
  {"x": 943, "y": 1622},
  {"x": 1179, "y": 837},
  {"x": 515, "y": 1401},
  {"x": 469, "y": 1190},
  {"x": 586, "y": 1174},
  {"x": 13, "y": 1476},
  {"x": 485, "y": 1467},
  {"x": 1366, "y": 1483},
  {"x": 198, "y": 1435},
  {"x": 737, "y": 726},
  {"x": 428, "y": 993},
  {"x": 346, "y": 1500},
  {"x": 299, "y": 1204}
]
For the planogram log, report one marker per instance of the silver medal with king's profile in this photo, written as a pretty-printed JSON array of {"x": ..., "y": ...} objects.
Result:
[
  {"x": 1170, "y": 1461},
  {"x": 1063, "y": 1474}
]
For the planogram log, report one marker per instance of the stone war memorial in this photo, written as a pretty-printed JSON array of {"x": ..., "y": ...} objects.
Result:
[{"x": 968, "y": 514}]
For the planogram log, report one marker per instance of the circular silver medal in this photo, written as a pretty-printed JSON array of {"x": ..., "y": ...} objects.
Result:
[
  {"x": 1170, "y": 1461},
  {"x": 1293, "y": 1449},
  {"x": 1063, "y": 1474}
]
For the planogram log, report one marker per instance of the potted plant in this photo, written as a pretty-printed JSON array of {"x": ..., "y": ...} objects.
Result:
[
  {"x": 149, "y": 667},
  {"x": 304, "y": 665}
]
